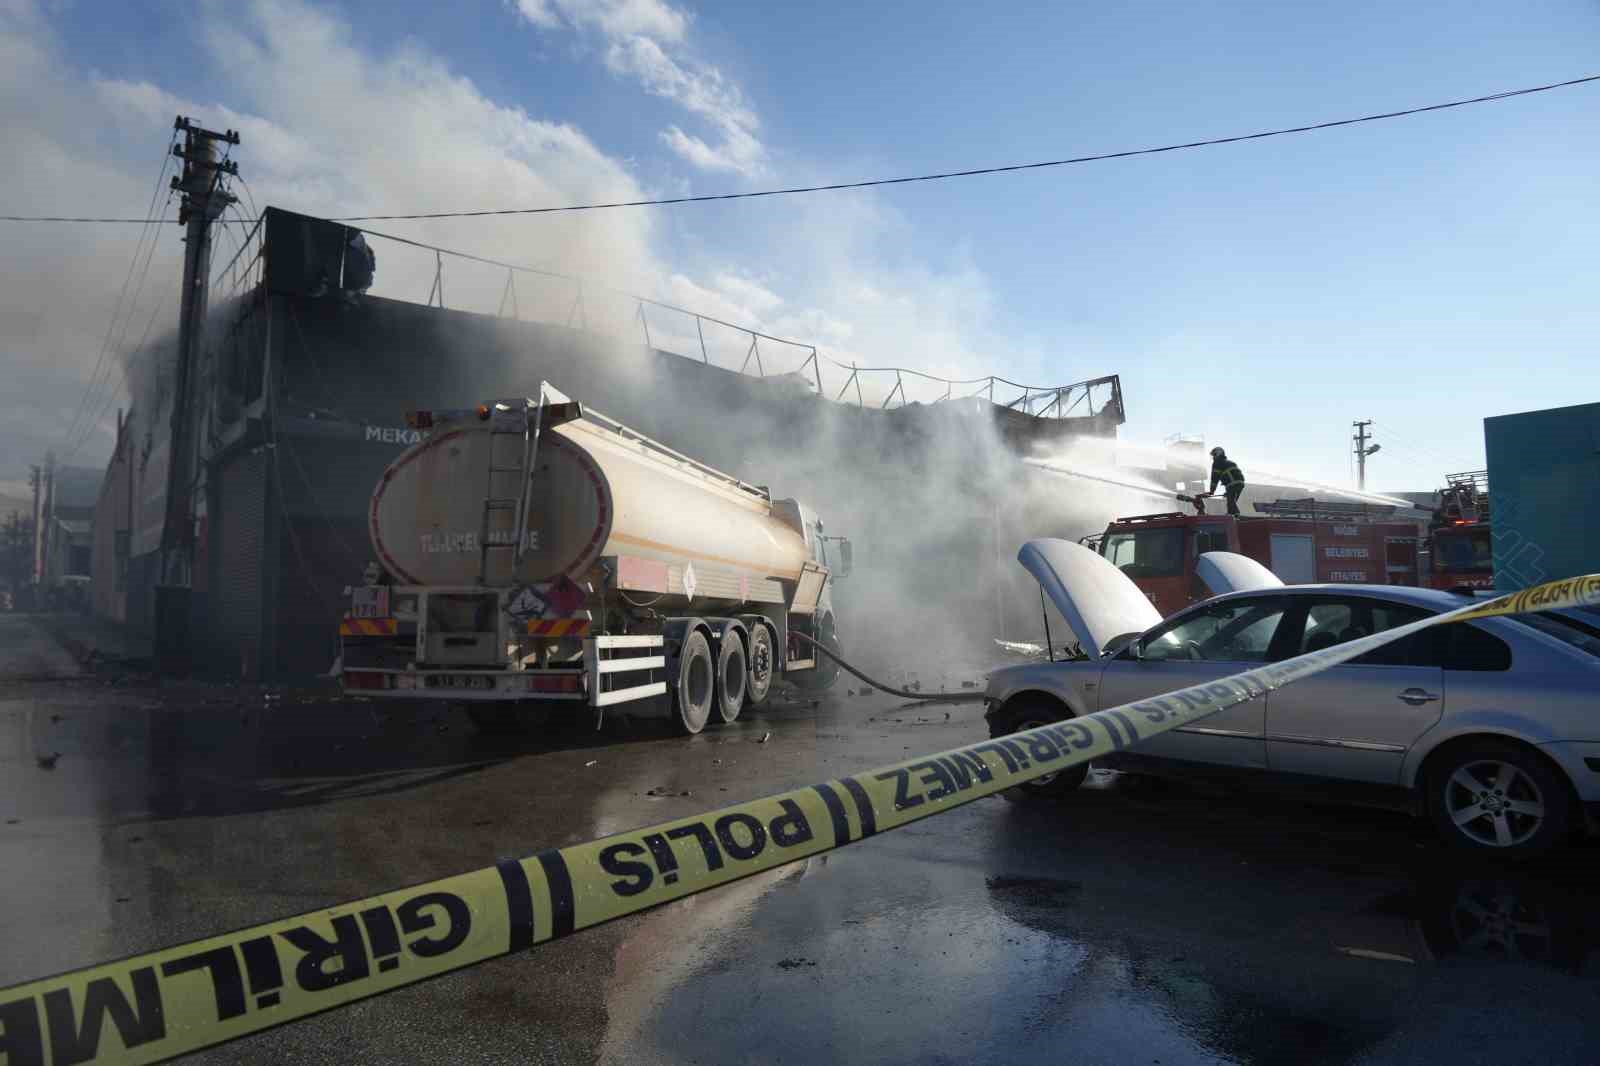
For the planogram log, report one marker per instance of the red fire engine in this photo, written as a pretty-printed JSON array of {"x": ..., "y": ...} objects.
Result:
[
  {"x": 1461, "y": 545},
  {"x": 1302, "y": 541}
]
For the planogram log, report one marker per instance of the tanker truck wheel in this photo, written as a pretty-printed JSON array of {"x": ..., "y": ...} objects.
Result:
[
  {"x": 821, "y": 677},
  {"x": 733, "y": 675},
  {"x": 696, "y": 685},
  {"x": 760, "y": 662}
]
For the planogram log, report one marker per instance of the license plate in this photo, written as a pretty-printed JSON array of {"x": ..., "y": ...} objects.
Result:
[
  {"x": 463, "y": 681},
  {"x": 369, "y": 602}
]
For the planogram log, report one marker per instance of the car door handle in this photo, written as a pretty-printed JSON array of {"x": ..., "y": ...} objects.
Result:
[{"x": 1417, "y": 697}]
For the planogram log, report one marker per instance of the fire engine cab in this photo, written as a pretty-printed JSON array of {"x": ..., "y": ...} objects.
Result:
[
  {"x": 1462, "y": 547},
  {"x": 1301, "y": 541}
]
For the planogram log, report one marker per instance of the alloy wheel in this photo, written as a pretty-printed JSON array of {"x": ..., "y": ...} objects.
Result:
[{"x": 1493, "y": 803}]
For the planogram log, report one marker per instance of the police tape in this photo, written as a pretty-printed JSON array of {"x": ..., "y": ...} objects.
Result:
[{"x": 162, "y": 1004}]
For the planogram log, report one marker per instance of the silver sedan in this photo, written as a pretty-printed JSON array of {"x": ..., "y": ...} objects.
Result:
[{"x": 1490, "y": 728}]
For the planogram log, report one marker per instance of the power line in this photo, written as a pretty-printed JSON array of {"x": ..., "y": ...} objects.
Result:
[
  {"x": 1127, "y": 153},
  {"x": 62, "y": 218},
  {"x": 871, "y": 183},
  {"x": 252, "y": 196},
  {"x": 134, "y": 359},
  {"x": 87, "y": 400},
  {"x": 110, "y": 391}
]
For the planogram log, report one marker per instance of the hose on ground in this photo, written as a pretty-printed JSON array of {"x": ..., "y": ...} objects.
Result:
[{"x": 920, "y": 697}]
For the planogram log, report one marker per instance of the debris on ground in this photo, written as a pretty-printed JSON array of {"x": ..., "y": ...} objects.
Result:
[
  {"x": 794, "y": 964},
  {"x": 591, "y": 762},
  {"x": 48, "y": 762},
  {"x": 764, "y": 738}
]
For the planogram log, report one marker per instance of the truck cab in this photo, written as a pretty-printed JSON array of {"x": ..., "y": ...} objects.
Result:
[
  {"x": 1299, "y": 541},
  {"x": 1158, "y": 551},
  {"x": 1461, "y": 540}
]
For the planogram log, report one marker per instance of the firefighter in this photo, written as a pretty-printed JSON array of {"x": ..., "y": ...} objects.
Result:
[{"x": 1226, "y": 472}]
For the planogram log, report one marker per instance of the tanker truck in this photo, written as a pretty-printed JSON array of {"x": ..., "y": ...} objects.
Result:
[{"x": 535, "y": 557}]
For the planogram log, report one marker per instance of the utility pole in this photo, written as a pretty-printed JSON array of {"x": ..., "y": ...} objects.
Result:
[
  {"x": 36, "y": 479},
  {"x": 1362, "y": 451},
  {"x": 204, "y": 200}
]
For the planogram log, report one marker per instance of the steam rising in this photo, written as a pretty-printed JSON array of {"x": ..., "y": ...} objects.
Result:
[{"x": 935, "y": 503}]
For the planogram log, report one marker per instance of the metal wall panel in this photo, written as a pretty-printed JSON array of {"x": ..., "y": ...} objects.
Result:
[{"x": 238, "y": 538}]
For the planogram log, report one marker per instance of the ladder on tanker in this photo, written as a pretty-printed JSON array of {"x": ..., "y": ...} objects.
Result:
[{"x": 520, "y": 421}]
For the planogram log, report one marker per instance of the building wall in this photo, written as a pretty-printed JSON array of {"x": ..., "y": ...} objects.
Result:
[
  {"x": 112, "y": 523},
  {"x": 238, "y": 530},
  {"x": 128, "y": 516},
  {"x": 288, "y": 526},
  {"x": 1542, "y": 467}
]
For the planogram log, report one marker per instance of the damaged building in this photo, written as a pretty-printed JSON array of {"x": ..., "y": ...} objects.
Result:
[{"x": 300, "y": 403}]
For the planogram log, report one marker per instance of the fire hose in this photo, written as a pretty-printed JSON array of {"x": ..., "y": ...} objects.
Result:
[{"x": 921, "y": 697}]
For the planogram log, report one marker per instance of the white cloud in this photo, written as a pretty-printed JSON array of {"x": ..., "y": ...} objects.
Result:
[
  {"x": 645, "y": 41},
  {"x": 331, "y": 128},
  {"x": 327, "y": 128},
  {"x": 614, "y": 18}
]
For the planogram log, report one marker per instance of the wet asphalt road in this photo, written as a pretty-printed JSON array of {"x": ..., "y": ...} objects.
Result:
[{"x": 1141, "y": 922}]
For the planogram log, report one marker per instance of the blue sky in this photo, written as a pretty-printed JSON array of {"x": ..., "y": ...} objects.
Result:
[{"x": 1425, "y": 273}]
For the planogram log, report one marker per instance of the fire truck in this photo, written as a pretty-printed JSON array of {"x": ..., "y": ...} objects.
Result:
[
  {"x": 1301, "y": 541},
  {"x": 1461, "y": 548}
]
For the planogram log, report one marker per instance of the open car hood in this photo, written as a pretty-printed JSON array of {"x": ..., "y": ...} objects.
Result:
[
  {"x": 1098, "y": 601},
  {"x": 1232, "y": 572}
]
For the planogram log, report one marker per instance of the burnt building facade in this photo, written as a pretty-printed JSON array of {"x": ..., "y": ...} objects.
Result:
[{"x": 305, "y": 392}]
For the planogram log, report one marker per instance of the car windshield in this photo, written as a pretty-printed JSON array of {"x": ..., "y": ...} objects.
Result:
[
  {"x": 1463, "y": 551},
  {"x": 1146, "y": 552},
  {"x": 1570, "y": 630}
]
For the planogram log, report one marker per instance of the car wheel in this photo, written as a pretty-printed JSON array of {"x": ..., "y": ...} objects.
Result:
[
  {"x": 1498, "y": 798},
  {"x": 1029, "y": 712}
]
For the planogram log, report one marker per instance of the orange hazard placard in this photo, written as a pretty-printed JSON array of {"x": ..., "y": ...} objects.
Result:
[
  {"x": 368, "y": 627},
  {"x": 559, "y": 627}
]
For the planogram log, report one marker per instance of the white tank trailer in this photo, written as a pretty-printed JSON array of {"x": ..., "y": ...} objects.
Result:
[{"x": 533, "y": 556}]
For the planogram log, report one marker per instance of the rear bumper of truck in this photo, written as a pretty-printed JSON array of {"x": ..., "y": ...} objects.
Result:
[
  {"x": 604, "y": 677},
  {"x": 458, "y": 684}
]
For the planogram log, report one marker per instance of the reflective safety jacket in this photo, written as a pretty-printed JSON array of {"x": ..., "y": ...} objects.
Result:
[{"x": 1225, "y": 472}]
